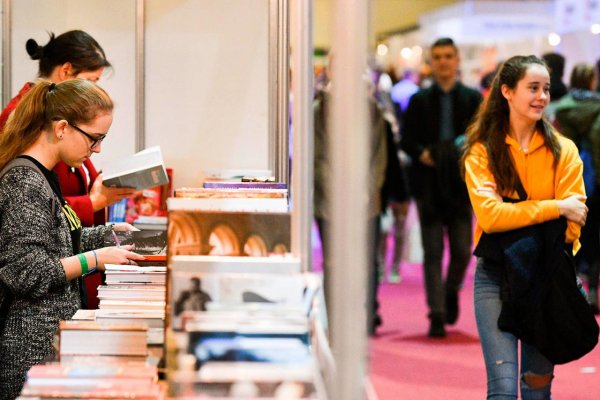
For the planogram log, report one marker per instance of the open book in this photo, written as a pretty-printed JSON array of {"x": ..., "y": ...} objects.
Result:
[{"x": 142, "y": 170}]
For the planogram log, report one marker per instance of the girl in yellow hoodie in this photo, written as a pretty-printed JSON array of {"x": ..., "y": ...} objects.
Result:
[{"x": 509, "y": 142}]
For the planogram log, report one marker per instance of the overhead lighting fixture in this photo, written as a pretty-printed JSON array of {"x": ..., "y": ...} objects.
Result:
[
  {"x": 382, "y": 49},
  {"x": 406, "y": 53},
  {"x": 554, "y": 39},
  {"x": 595, "y": 29}
]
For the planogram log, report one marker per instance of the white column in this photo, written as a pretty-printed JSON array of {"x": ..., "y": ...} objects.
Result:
[
  {"x": 349, "y": 154},
  {"x": 302, "y": 130}
]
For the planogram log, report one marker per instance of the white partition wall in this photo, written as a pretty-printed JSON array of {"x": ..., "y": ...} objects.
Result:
[
  {"x": 206, "y": 78},
  {"x": 112, "y": 24},
  {"x": 207, "y": 86}
]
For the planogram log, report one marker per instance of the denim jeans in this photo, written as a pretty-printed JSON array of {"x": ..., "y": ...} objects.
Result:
[
  {"x": 459, "y": 238},
  {"x": 500, "y": 349}
]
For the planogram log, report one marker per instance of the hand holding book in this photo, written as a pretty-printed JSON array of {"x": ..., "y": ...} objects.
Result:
[
  {"x": 102, "y": 196},
  {"x": 117, "y": 255}
]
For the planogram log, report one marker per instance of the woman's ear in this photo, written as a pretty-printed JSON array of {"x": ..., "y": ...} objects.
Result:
[
  {"x": 506, "y": 92},
  {"x": 59, "y": 129},
  {"x": 65, "y": 71}
]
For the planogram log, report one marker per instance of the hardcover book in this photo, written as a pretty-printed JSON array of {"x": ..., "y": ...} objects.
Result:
[
  {"x": 142, "y": 170},
  {"x": 94, "y": 338}
]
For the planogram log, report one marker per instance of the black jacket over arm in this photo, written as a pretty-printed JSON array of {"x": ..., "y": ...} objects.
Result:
[{"x": 541, "y": 302}]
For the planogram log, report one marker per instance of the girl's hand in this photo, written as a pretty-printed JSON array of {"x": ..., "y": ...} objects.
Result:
[
  {"x": 117, "y": 255},
  {"x": 123, "y": 227},
  {"x": 489, "y": 189},
  {"x": 103, "y": 196},
  {"x": 573, "y": 208}
]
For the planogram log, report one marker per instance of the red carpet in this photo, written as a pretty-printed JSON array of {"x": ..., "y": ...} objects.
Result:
[{"x": 406, "y": 364}]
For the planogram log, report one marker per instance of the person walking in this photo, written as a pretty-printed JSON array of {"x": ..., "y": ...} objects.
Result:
[
  {"x": 436, "y": 118},
  {"x": 512, "y": 153}
]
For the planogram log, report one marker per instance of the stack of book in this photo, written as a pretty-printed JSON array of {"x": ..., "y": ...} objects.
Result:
[
  {"x": 93, "y": 378},
  {"x": 134, "y": 295},
  {"x": 91, "y": 338},
  {"x": 232, "y": 196}
]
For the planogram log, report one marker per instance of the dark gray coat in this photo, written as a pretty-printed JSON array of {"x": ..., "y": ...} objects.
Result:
[{"x": 33, "y": 239}]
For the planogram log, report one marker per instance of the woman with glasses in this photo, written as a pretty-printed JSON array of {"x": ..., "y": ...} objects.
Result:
[
  {"x": 75, "y": 54},
  {"x": 44, "y": 249}
]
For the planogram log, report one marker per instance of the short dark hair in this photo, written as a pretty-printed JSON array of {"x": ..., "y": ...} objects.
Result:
[
  {"x": 76, "y": 47},
  {"x": 445, "y": 41},
  {"x": 582, "y": 77},
  {"x": 555, "y": 62}
]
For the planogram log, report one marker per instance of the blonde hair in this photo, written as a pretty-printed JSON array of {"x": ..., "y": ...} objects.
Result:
[{"x": 74, "y": 100}]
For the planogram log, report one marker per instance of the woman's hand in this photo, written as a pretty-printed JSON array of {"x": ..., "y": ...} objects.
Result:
[
  {"x": 103, "y": 196},
  {"x": 489, "y": 189},
  {"x": 117, "y": 255},
  {"x": 573, "y": 208},
  {"x": 124, "y": 227}
]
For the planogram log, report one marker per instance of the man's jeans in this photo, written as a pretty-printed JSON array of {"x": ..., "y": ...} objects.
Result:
[
  {"x": 459, "y": 238},
  {"x": 500, "y": 349}
]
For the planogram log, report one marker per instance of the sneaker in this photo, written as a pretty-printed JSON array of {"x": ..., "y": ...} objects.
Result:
[
  {"x": 436, "y": 327},
  {"x": 394, "y": 277},
  {"x": 451, "y": 307}
]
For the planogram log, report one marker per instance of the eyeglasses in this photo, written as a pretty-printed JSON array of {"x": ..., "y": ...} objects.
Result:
[{"x": 95, "y": 140}]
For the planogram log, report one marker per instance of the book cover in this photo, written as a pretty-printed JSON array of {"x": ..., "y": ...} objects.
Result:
[
  {"x": 193, "y": 291},
  {"x": 95, "y": 338},
  {"x": 230, "y": 193},
  {"x": 146, "y": 242},
  {"x": 142, "y": 170},
  {"x": 240, "y": 204},
  {"x": 244, "y": 185},
  {"x": 228, "y": 233}
]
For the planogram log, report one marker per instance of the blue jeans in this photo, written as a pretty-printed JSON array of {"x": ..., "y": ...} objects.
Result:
[{"x": 500, "y": 349}]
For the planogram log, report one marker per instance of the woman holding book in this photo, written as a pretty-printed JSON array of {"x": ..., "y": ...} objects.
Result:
[
  {"x": 44, "y": 248},
  {"x": 74, "y": 54}
]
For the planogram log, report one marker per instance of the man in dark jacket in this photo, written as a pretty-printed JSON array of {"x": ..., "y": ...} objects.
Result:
[{"x": 434, "y": 122}]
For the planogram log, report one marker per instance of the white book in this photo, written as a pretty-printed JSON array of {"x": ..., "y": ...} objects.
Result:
[
  {"x": 131, "y": 304},
  {"x": 134, "y": 274},
  {"x": 94, "y": 338},
  {"x": 202, "y": 264},
  {"x": 131, "y": 292},
  {"x": 142, "y": 170},
  {"x": 152, "y": 318},
  {"x": 111, "y": 268},
  {"x": 274, "y": 205}
]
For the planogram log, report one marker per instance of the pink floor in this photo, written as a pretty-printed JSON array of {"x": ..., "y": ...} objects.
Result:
[{"x": 406, "y": 364}]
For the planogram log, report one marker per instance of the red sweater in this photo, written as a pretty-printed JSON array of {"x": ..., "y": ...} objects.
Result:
[{"x": 75, "y": 189}]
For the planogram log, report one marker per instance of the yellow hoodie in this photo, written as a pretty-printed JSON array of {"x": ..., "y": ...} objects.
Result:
[{"x": 544, "y": 185}]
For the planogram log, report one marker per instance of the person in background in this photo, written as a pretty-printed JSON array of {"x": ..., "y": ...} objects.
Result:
[
  {"x": 394, "y": 192},
  {"x": 510, "y": 142},
  {"x": 577, "y": 116},
  {"x": 556, "y": 64},
  {"x": 44, "y": 247},
  {"x": 403, "y": 90},
  {"x": 322, "y": 200},
  {"x": 435, "y": 120},
  {"x": 74, "y": 54}
]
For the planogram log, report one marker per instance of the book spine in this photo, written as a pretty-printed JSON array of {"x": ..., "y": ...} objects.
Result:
[{"x": 244, "y": 185}]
